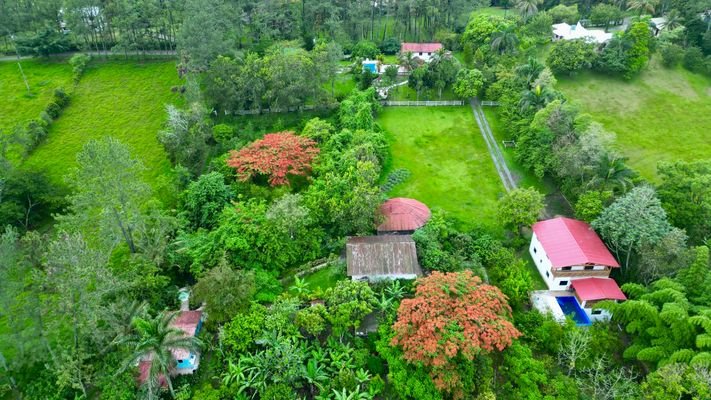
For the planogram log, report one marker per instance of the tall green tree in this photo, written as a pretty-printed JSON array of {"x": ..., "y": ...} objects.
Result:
[
  {"x": 520, "y": 208},
  {"x": 633, "y": 220},
  {"x": 109, "y": 193}
]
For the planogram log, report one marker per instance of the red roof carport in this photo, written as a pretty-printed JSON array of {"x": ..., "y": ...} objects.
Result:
[{"x": 589, "y": 289}]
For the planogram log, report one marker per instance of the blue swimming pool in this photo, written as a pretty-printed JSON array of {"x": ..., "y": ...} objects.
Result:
[
  {"x": 570, "y": 305},
  {"x": 372, "y": 66}
]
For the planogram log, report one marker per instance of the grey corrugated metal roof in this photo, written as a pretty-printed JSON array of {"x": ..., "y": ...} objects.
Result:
[{"x": 382, "y": 256}]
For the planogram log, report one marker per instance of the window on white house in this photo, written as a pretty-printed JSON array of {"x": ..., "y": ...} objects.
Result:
[
  {"x": 420, "y": 53},
  {"x": 548, "y": 275},
  {"x": 596, "y": 312},
  {"x": 567, "y": 268},
  {"x": 589, "y": 267},
  {"x": 563, "y": 283},
  {"x": 534, "y": 250},
  {"x": 540, "y": 261}
]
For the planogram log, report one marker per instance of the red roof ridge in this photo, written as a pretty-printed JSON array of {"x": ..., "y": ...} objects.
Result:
[
  {"x": 596, "y": 288},
  {"x": 569, "y": 242}
]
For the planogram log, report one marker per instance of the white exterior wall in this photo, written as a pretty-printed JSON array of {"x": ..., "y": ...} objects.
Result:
[
  {"x": 426, "y": 57},
  {"x": 383, "y": 277},
  {"x": 544, "y": 265},
  {"x": 604, "y": 315}
]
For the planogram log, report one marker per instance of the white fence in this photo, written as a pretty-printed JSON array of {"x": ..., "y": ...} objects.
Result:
[
  {"x": 489, "y": 103},
  {"x": 423, "y": 103},
  {"x": 282, "y": 110}
]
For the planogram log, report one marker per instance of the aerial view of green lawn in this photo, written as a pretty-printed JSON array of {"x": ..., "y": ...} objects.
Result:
[
  {"x": 16, "y": 104},
  {"x": 662, "y": 115},
  {"x": 447, "y": 157},
  {"x": 123, "y": 99}
]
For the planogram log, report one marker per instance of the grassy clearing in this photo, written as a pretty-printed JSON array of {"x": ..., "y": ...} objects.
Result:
[
  {"x": 662, "y": 115},
  {"x": 405, "y": 92},
  {"x": 451, "y": 168},
  {"x": 125, "y": 100},
  {"x": 18, "y": 106}
]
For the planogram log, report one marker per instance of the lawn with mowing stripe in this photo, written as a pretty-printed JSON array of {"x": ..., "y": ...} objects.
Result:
[
  {"x": 16, "y": 104},
  {"x": 123, "y": 99},
  {"x": 662, "y": 115},
  {"x": 447, "y": 157}
]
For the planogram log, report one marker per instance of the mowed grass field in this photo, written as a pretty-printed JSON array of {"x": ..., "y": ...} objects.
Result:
[
  {"x": 16, "y": 104},
  {"x": 662, "y": 115},
  {"x": 123, "y": 99},
  {"x": 447, "y": 157}
]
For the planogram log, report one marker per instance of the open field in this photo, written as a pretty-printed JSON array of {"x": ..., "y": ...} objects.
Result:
[
  {"x": 662, "y": 115},
  {"x": 16, "y": 105},
  {"x": 125, "y": 100},
  {"x": 447, "y": 157}
]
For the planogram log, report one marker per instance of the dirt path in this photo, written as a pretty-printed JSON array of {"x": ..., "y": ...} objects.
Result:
[{"x": 499, "y": 162}]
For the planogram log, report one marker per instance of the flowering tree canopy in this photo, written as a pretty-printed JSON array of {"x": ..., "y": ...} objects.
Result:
[
  {"x": 276, "y": 156},
  {"x": 452, "y": 315}
]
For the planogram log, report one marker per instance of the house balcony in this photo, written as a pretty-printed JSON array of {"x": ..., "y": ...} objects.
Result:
[{"x": 593, "y": 273}]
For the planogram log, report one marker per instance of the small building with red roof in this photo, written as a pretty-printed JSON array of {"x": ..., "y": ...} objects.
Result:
[
  {"x": 590, "y": 291},
  {"x": 565, "y": 250},
  {"x": 186, "y": 362},
  {"x": 401, "y": 215},
  {"x": 423, "y": 51}
]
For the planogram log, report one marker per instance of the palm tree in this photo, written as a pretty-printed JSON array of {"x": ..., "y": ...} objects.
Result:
[
  {"x": 674, "y": 20},
  {"x": 530, "y": 71},
  {"x": 504, "y": 41},
  {"x": 315, "y": 374},
  {"x": 528, "y": 8},
  {"x": 537, "y": 98},
  {"x": 154, "y": 340},
  {"x": 300, "y": 288},
  {"x": 613, "y": 174},
  {"x": 408, "y": 61},
  {"x": 643, "y": 5}
]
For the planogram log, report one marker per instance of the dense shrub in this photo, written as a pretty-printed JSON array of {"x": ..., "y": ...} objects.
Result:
[
  {"x": 569, "y": 56},
  {"x": 694, "y": 59},
  {"x": 365, "y": 49},
  {"x": 390, "y": 45},
  {"x": 79, "y": 63},
  {"x": 671, "y": 54}
]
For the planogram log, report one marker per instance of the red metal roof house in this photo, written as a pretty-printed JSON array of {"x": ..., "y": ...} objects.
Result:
[
  {"x": 424, "y": 51},
  {"x": 565, "y": 249}
]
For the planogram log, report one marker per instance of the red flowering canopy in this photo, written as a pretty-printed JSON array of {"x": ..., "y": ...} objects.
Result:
[
  {"x": 276, "y": 156},
  {"x": 451, "y": 315}
]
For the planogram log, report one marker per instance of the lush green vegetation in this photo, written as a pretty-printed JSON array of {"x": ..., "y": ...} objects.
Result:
[
  {"x": 254, "y": 201},
  {"x": 16, "y": 105},
  {"x": 451, "y": 168},
  {"x": 661, "y": 115},
  {"x": 122, "y": 99}
]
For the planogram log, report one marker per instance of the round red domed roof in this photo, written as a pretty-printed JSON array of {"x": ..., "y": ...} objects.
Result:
[{"x": 403, "y": 214}]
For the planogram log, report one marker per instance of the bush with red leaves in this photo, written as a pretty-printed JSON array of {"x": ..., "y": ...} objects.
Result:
[
  {"x": 277, "y": 155},
  {"x": 452, "y": 315}
]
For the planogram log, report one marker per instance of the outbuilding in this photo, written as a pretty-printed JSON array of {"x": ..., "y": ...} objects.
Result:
[
  {"x": 382, "y": 257},
  {"x": 401, "y": 215}
]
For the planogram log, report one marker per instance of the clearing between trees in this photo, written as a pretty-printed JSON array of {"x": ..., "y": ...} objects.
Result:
[
  {"x": 447, "y": 157},
  {"x": 661, "y": 115},
  {"x": 16, "y": 104},
  {"x": 123, "y": 99}
]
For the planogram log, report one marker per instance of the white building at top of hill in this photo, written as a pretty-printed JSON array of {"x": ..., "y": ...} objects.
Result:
[{"x": 565, "y": 31}]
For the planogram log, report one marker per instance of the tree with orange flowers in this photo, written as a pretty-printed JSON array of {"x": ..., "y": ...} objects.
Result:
[
  {"x": 453, "y": 317},
  {"x": 276, "y": 156}
]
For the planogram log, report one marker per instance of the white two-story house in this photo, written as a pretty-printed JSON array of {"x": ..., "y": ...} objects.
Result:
[{"x": 566, "y": 249}]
